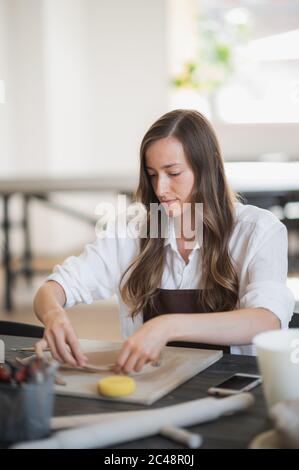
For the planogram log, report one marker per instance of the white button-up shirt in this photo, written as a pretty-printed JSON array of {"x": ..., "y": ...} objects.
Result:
[{"x": 258, "y": 248}]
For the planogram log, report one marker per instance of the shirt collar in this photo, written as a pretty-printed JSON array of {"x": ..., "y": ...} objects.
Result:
[{"x": 170, "y": 239}]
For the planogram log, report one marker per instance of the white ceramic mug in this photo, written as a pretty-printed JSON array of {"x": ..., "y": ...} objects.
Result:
[{"x": 278, "y": 360}]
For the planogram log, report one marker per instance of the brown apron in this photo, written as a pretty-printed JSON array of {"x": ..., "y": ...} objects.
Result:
[{"x": 179, "y": 301}]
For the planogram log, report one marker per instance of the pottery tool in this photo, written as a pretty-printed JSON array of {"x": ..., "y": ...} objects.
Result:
[
  {"x": 89, "y": 368},
  {"x": 86, "y": 368},
  {"x": 26, "y": 361},
  {"x": 2, "y": 352},
  {"x": 37, "y": 371},
  {"x": 127, "y": 426},
  {"x": 27, "y": 350}
]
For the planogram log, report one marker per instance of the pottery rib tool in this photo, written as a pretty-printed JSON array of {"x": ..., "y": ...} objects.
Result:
[
  {"x": 86, "y": 368},
  {"x": 89, "y": 368},
  {"x": 28, "y": 349}
]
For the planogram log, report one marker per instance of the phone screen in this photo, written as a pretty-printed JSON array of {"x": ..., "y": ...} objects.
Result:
[{"x": 236, "y": 382}]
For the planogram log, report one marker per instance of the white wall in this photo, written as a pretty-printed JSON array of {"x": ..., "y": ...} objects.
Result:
[
  {"x": 85, "y": 79},
  {"x": 27, "y": 147},
  {"x": 106, "y": 80},
  {"x": 6, "y": 157}
]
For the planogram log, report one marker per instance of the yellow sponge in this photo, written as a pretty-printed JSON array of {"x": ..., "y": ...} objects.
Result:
[{"x": 116, "y": 386}]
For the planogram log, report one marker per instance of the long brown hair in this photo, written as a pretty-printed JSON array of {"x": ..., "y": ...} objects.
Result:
[{"x": 219, "y": 279}]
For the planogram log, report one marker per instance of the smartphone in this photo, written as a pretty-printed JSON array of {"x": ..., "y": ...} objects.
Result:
[{"x": 237, "y": 383}]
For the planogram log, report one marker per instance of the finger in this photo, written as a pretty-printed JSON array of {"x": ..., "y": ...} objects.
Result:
[
  {"x": 156, "y": 361},
  {"x": 76, "y": 350},
  {"x": 63, "y": 350},
  {"x": 52, "y": 346},
  {"x": 130, "y": 363},
  {"x": 40, "y": 346},
  {"x": 122, "y": 358},
  {"x": 140, "y": 363}
]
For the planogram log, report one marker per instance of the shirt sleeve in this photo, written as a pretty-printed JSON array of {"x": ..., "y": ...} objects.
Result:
[
  {"x": 267, "y": 274},
  {"x": 90, "y": 276}
]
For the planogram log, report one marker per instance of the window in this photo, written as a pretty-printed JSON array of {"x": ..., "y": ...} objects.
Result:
[{"x": 263, "y": 86}]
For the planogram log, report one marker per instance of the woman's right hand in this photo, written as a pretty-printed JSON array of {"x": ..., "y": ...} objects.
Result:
[{"x": 60, "y": 337}]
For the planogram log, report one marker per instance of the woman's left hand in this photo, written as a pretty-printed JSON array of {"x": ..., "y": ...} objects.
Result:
[{"x": 143, "y": 346}]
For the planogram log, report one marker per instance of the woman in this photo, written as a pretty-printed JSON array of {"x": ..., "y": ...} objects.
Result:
[{"x": 173, "y": 289}]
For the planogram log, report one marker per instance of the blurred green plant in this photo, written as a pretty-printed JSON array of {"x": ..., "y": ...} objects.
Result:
[{"x": 215, "y": 60}]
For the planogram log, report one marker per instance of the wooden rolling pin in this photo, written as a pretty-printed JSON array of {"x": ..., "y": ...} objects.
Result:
[{"x": 122, "y": 428}]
